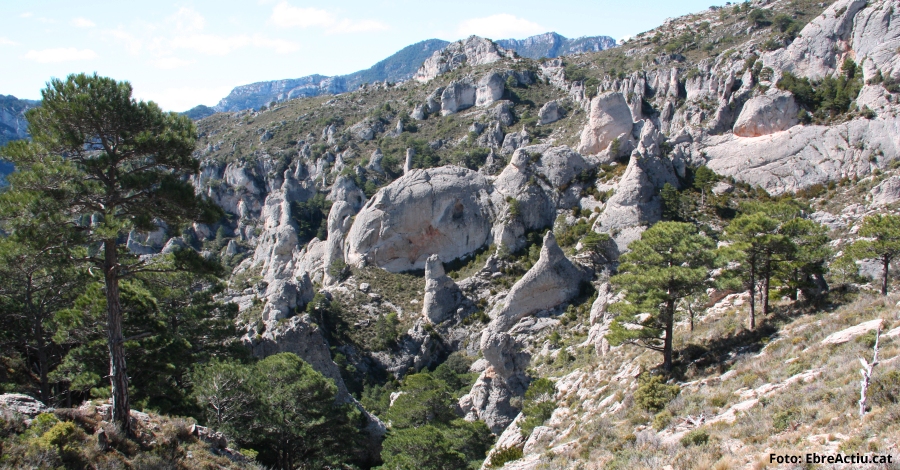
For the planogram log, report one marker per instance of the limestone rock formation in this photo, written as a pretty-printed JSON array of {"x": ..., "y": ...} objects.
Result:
[
  {"x": 514, "y": 141},
  {"x": 339, "y": 220},
  {"x": 23, "y": 405},
  {"x": 636, "y": 203},
  {"x": 876, "y": 36},
  {"x": 550, "y": 282},
  {"x": 442, "y": 295},
  {"x": 445, "y": 211},
  {"x": 767, "y": 114},
  {"x": 550, "y": 112},
  {"x": 489, "y": 400},
  {"x": 610, "y": 117},
  {"x": 457, "y": 96},
  {"x": 490, "y": 89},
  {"x": 803, "y": 155},
  {"x": 375, "y": 161},
  {"x": 471, "y": 51},
  {"x": 537, "y": 209},
  {"x": 345, "y": 189},
  {"x": 816, "y": 53},
  {"x": 887, "y": 192}
]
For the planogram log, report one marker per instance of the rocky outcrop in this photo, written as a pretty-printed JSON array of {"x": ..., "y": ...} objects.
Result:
[
  {"x": 490, "y": 89},
  {"x": 366, "y": 129},
  {"x": 471, "y": 51},
  {"x": 489, "y": 401},
  {"x": 23, "y": 405},
  {"x": 875, "y": 39},
  {"x": 375, "y": 161},
  {"x": 886, "y": 192},
  {"x": 13, "y": 125},
  {"x": 514, "y": 141},
  {"x": 445, "y": 211},
  {"x": 345, "y": 189},
  {"x": 550, "y": 282},
  {"x": 767, "y": 114},
  {"x": 818, "y": 51},
  {"x": 339, "y": 220},
  {"x": 636, "y": 203},
  {"x": 550, "y": 112},
  {"x": 552, "y": 45},
  {"x": 536, "y": 208},
  {"x": 804, "y": 156},
  {"x": 442, "y": 295},
  {"x": 610, "y": 118},
  {"x": 457, "y": 96}
]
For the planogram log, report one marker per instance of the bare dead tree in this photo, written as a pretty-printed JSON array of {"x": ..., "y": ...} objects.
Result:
[{"x": 866, "y": 372}]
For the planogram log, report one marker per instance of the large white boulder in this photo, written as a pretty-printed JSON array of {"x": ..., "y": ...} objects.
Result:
[
  {"x": 457, "y": 96},
  {"x": 445, "y": 211},
  {"x": 767, "y": 114},
  {"x": 490, "y": 89},
  {"x": 610, "y": 117}
]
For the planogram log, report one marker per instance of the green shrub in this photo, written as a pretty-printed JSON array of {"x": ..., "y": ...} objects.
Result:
[
  {"x": 538, "y": 405},
  {"x": 781, "y": 420},
  {"x": 662, "y": 419},
  {"x": 885, "y": 389},
  {"x": 696, "y": 437},
  {"x": 65, "y": 438},
  {"x": 653, "y": 394},
  {"x": 508, "y": 454}
]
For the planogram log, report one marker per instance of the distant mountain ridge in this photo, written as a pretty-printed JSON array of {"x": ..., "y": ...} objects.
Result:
[
  {"x": 13, "y": 126},
  {"x": 398, "y": 67},
  {"x": 552, "y": 45}
]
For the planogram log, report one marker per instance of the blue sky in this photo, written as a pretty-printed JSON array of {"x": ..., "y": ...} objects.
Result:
[{"x": 190, "y": 52}]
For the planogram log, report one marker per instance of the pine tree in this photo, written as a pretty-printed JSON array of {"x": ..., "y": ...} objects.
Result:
[
  {"x": 881, "y": 241},
  {"x": 128, "y": 161},
  {"x": 670, "y": 262},
  {"x": 756, "y": 245}
]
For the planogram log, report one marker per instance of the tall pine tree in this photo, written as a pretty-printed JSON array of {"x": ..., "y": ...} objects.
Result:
[
  {"x": 129, "y": 162},
  {"x": 670, "y": 262}
]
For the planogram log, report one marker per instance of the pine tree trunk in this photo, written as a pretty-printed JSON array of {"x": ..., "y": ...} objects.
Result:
[
  {"x": 752, "y": 297},
  {"x": 670, "y": 326},
  {"x": 884, "y": 278},
  {"x": 118, "y": 376},
  {"x": 42, "y": 361},
  {"x": 37, "y": 329},
  {"x": 765, "y": 289}
]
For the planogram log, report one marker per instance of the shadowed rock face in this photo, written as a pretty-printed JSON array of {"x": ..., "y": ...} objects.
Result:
[{"x": 445, "y": 211}]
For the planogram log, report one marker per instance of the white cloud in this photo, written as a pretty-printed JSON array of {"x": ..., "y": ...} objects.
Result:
[
  {"x": 7, "y": 42},
  {"x": 285, "y": 15},
  {"x": 61, "y": 54},
  {"x": 27, "y": 14},
  {"x": 211, "y": 44},
  {"x": 169, "y": 63},
  {"x": 132, "y": 44},
  {"x": 187, "y": 20},
  {"x": 357, "y": 26},
  {"x": 499, "y": 26},
  {"x": 183, "y": 98},
  {"x": 82, "y": 22}
]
